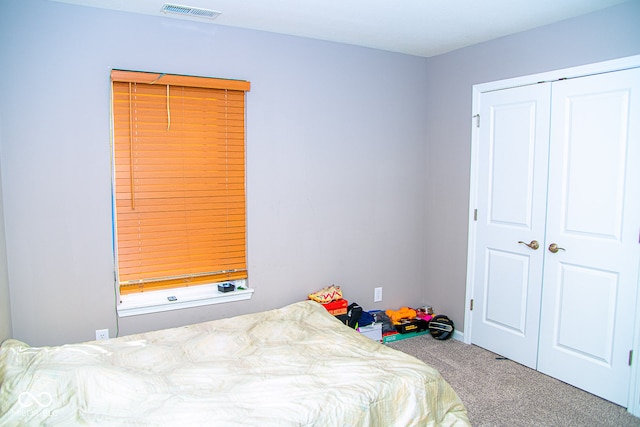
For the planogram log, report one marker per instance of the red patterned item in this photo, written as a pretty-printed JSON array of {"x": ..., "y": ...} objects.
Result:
[{"x": 337, "y": 307}]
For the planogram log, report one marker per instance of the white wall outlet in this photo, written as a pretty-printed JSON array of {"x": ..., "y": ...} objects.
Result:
[
  {"x": 377, "y": 294},
  {"x": 102, "y": 334}
]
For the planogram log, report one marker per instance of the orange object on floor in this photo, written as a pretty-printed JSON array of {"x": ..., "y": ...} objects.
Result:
[{"x": 403, "y": 313}]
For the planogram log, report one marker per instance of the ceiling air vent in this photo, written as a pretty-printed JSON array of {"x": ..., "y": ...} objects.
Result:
[{"x": 190, "y": 11}]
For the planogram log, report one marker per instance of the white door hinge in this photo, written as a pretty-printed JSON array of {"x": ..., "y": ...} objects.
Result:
[
  {"x": 477, "y": 117},
  {"x": 471, "y": 305}
]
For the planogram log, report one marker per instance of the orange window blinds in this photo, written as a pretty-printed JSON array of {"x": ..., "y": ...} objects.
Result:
[{"x": 179, "y": 180}]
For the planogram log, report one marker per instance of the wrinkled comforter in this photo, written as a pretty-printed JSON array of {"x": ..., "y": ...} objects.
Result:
[{"x": 294, "y": 366}]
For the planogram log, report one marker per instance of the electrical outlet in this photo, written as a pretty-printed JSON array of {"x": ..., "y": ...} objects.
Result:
[
  {"x": 377, "y": 294},
  {"x": 102, "y": 334}
]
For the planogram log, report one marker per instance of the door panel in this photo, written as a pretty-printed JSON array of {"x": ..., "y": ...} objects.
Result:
[
  {"x": 512, "y": 174},
  {"x": 594, "y": 142},
  {"x": 596, "y": 290},
  {"x": 593, "y": 213},
  {"x": 512, "y": 143},
  {"x": 504, "y": 271}
]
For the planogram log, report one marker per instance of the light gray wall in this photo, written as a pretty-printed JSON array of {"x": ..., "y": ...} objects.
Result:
[
  {"x": 608, "y": 34},
  {"x": 5, "y": 301},
  {"x": 336, "y": 163}
]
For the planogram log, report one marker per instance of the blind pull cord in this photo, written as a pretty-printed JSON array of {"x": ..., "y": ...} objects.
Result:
[
  {"x": 131, "y": 171},
  {"x": 168, "y": 111}
]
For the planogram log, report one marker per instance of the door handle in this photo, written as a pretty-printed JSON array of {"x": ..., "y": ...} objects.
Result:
[
  {"x": 554, "y": 248},
  {"x": 533, "y": 245}
]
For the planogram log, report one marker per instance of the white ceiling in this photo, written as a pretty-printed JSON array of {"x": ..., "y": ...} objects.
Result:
[{"x": 416, "y": 27}]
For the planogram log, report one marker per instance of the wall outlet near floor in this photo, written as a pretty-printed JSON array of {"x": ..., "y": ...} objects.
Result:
[
  {"x": 377, "y": 294},
  {"x": 102, "y": 334}
]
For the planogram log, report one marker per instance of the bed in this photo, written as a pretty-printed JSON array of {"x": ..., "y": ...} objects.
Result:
[{"x": 293, "y": 366}]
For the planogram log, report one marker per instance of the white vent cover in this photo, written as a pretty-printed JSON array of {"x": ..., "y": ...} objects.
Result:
[{"x": 190, "y": 11}]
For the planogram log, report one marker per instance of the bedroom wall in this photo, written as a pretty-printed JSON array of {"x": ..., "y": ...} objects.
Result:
[
  {"x": 5, "y": 301},
  {"x": 357, "y": 159},
  {"x": 608, "y": 34},
  {"x": 335, "y": 178}
]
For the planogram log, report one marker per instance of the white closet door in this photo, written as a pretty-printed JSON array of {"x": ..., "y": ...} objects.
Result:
[
  {"x": 512, "y": 180},
  {"x": 593, "y": 214}
]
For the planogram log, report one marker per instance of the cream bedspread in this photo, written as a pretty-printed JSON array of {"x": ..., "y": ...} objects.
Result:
[{"x": 295, "y": 366}]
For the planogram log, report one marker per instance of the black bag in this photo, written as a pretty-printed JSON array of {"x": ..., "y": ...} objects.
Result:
[{"x": 351, "y": 319}]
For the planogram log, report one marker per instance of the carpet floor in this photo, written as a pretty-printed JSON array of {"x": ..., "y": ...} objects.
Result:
[{"x": 500, "y": 392}]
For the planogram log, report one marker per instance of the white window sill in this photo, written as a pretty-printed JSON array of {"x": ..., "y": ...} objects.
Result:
[{"x": 194, "y": 296}]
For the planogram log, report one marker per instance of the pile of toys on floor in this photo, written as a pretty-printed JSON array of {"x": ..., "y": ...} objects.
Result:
[{"x": 384, "y": 325}]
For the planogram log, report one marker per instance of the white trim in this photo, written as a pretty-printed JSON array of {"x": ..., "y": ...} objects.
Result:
[
  {"x": 473, "y": 203},
  {"x": 566, "y": 73},
  {"x": 633, "y": 405},
  {"x": 186, "y": 297}
]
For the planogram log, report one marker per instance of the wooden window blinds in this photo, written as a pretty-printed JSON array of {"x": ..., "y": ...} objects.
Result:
[{"x": 179, "y": 180}]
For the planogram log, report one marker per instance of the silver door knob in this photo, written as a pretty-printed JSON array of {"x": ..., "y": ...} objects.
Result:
[{"x": 554, "y": 248}]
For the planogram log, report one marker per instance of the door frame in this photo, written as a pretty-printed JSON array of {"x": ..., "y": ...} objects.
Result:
[{"x": 574, "y": 72}]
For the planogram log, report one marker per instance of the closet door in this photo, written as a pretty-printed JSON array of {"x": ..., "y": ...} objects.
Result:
[
  {"x": 593, "y": 216},
  {"x": 511, "y": 209}
]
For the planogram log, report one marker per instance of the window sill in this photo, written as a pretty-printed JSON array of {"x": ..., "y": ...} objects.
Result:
[{"x": 195, "y": 296}]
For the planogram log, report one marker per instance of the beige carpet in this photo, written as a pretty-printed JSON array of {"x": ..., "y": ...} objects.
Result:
[{"x": 504, "y": 393}]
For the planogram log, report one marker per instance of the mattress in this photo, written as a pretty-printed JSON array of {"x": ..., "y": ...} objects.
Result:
[{"x": 294, "y": 366}]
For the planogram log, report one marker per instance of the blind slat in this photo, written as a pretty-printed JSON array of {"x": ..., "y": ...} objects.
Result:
[
  {"x": 178, "y": 80},
  {"x": 126, "y": 288}
]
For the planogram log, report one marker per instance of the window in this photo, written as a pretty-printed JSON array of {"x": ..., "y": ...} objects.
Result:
[{"x": 179, "y": 180}]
